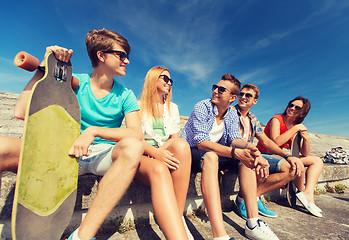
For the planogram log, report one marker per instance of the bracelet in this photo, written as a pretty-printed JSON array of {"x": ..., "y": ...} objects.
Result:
[
  {"x": 232, "y": 153},
  {"x": 287, "y": 156}
]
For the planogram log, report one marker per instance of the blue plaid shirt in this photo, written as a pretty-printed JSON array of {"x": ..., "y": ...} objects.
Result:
[
  {"x": 200, "y": 122},
  {"x": 256, "y": 125}
]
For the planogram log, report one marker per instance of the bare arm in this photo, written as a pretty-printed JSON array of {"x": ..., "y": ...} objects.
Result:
[
  {"x": 275, "y": 132},
  {"x": 61, "y": 54},
  {"x": 133, "y": 129}
]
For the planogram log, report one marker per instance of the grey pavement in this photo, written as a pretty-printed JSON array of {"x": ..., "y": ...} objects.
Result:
[{"x": 290, "y": 223}]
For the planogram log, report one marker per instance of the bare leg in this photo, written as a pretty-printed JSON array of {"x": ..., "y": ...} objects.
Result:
[
  {"x": 248, "y": 189},
  {"x": 312, "y": 174},
  {"x": 210, "y": 191},
  {"x": 181, "y": 150},
  {"x": 276, "y": 180},
  {"x": 156, "y": 174},
  {"x": 126, "y": 156},
  {"x": 10, "y": 149}
]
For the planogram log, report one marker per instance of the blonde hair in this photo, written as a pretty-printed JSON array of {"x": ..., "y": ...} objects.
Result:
[{"x": 147, "y": 102}]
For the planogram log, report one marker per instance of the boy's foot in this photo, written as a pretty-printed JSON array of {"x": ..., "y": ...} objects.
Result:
[
  {"x": 310, "y": 207},
  {"x": 264, "y": 210},
  {"x": 291, "y": 194},
  {"x": 260, "y": 232},
  {"x": 241, "y": 208}
]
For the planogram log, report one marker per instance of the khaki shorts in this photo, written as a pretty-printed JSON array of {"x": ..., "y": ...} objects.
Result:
[{"x": 99, "y": 160}]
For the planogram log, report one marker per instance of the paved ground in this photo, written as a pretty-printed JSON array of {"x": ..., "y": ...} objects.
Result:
[{"x": 290, "y": 223}]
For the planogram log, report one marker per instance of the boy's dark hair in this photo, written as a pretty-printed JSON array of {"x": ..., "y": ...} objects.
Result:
[
  {"x": 234, "y": 80},
  {"x": 103, "y": 40}
]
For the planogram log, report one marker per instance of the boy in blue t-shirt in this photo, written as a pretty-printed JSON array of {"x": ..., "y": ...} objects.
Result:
[{"x": 104, "y": 104}]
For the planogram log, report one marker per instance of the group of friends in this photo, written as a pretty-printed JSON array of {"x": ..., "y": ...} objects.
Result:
[{"x": 217, "y": 136}]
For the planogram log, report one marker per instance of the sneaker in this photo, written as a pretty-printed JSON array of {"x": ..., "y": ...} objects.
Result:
[
  {"x": 316, "y": 207},
  {"x": 301, "y": 197},
  {"x": 291, "y": 194},
  {"x": 264, "y": 210},
  {"x": 241, "y": 208},
  {"x": 260, "y": 232},
  {"x": 71, "y": 235}
]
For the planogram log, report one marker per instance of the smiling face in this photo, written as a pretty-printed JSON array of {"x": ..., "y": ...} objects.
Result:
[
  {"x": 163, "y": 85},
  {"x": 113, "y": 61},
  {"x": 293, "y": 108},
  {"x": 247, "y": 98},
  {"x": 224, "y": 99}
]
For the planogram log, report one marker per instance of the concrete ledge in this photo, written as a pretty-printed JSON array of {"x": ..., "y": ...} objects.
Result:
[{"x": 136, "y": 203}]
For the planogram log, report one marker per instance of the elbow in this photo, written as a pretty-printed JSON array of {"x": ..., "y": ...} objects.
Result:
[{"x": 19, "y": 113}]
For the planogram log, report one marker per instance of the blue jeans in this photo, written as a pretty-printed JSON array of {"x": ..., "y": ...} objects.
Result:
[{"x": 274, "y": 162}]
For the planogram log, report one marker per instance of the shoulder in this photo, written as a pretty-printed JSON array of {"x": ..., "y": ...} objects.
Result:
[{"x": 83, "y": 77}]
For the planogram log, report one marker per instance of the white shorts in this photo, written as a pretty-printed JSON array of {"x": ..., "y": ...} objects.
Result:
[{"x": 99, "y": 160}]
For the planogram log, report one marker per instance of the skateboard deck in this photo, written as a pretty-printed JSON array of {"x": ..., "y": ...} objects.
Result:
[
  {"x": 47, "y": 176},
  {"x": 291, "y": 188}
]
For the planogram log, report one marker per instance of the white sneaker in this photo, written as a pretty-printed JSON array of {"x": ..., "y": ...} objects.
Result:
[
  {"x": 260, "y": 232},
  {"x": 309, "y": 206},
  {"x": 316, "y": 207}
]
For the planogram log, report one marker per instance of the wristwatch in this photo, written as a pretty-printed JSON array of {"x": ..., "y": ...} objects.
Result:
[{"x": 232, "y": 153}]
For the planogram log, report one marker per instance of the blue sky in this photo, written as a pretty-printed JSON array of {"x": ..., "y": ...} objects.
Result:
[{"x": 286, "y": 48}]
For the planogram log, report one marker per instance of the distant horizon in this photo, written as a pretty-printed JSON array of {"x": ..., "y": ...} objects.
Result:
[{"x": 186, "y": 118}]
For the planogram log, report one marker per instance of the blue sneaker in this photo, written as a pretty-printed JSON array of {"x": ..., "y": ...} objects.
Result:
[
  {"x": 241, "y": 208},
  {"x": 264, "y": 210},
  {"x": 71, "y": 236}
]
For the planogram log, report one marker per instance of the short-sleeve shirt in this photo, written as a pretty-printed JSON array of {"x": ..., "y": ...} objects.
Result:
[
  {"x": 200, "y": 123},
  {"x": 108, "y": 111},
  {"x": 256, "y": 125}
]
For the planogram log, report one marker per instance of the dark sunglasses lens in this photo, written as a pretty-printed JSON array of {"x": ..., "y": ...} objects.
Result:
[
  {"x": 167, "y": 79},
  {"x": 123, "y": 56},
  {"x": 248, "y": 95},
  {"x": 214, "y": 87},
  {"x": 221, "y": 89},
  {"x": 296, "y": 107}
]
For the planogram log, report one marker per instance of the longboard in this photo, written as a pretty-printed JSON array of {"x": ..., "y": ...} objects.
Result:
[
  {"x": 291, "y": 188},
  {"x": 46, "y": 186}
]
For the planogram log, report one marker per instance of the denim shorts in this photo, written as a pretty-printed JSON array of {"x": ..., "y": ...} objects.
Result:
[
  {"x": 224, "y": 163},
  {"x": 274, "y": 162},
  {"x": 99, "y": 160}
]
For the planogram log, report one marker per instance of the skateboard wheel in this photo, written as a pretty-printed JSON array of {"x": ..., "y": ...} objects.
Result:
[{"x": 26, "y": 61}]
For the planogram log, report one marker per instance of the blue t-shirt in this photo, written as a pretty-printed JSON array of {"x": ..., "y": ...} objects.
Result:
[{"x": 108, "y": 111}]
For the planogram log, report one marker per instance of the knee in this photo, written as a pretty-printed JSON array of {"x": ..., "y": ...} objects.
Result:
[
  {"x": 210, "y": 162},
  {"x": 130, "y": 148},
  {"x": 319, "y": 162},
  {"x": 159, "y": 170},
  {"x": 287, "y": 169},
  {"x": 181, "y": 145}
]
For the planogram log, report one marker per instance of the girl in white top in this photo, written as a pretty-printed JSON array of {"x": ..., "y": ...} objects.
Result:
[{"x": 167, "y": 160}]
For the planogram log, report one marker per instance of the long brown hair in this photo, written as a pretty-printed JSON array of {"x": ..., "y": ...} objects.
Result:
[
  {"x": 147, "y": 102},
  {"x": 303, "y": 112}
]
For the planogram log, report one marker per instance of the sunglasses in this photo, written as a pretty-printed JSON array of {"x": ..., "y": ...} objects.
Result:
[
  {"x": 248, "y": 95},
  {"x": 122, "y": 55},
  {"x": 167, "y": 80},
  {"x": 221, "y": 89},
  {"x": 296, "y": 107}
]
